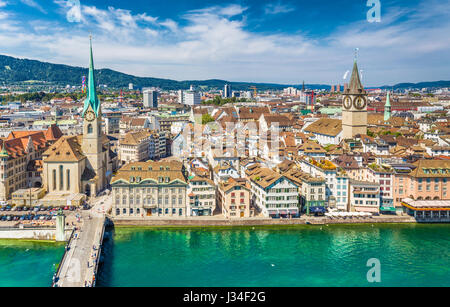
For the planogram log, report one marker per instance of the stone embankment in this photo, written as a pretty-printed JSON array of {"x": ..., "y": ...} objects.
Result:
[{"x": 218, "y": 222}]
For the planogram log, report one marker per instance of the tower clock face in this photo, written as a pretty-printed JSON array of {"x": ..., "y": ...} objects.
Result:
[
  {"x": 360, "y": 103},
  {"x": 90, "y": 116},
  {"x": 347, "y": 103}
]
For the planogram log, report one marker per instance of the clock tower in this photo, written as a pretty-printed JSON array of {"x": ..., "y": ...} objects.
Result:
[
  {"x": 354, "y": 111},
  {"x": 92, "y": 144}
]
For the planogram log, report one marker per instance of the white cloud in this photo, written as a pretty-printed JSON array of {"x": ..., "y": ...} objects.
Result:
[
  {"x": 215, "y": 43},
  {"x": 278, "y": 8},
  {"x": 3, "y": 3},
  {"x": 34, "y": 4}
]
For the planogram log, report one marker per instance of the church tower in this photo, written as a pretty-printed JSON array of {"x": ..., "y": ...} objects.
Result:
[
  {"x": 354, "y": 111},
  {"x": 92, "y": 145}
]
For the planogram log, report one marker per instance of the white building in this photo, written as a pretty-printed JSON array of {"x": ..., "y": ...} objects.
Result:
[
  {"x": 273, "y": 194},
  {"x": 201, "y": 197},
  {"x": 150, "y": 98},
  {"x": 192, "y": 98}
]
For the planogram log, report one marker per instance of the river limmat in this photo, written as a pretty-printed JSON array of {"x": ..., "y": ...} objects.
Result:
[{"x": 263, "y": 257}]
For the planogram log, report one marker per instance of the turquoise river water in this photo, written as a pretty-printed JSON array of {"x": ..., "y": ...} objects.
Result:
[{"x": 410, "y": 255}]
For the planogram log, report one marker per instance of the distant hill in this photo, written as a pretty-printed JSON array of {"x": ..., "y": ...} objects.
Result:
[
  {"x": 13, "y": 70},
  {"x": 420, "y": 85}
]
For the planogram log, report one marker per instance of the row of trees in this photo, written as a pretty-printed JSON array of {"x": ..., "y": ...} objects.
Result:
[{"x": 219, "y": 101}]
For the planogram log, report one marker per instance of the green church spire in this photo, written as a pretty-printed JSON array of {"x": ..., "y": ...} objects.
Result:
[
  {"x": 4, "y": 152},
  {"x": 92, "y": 99},
  {"x": 387, "y": 108}
]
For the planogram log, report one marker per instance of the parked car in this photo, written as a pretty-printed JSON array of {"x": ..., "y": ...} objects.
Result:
[{"x": 66, "y": 208}]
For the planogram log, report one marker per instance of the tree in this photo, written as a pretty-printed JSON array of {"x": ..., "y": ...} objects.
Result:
[{"x": 206, "y": 118}]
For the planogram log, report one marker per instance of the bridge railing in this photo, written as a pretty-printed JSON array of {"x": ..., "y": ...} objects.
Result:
[
  {"x": 90, "y": 278},
  {"x": 63, "y": 258}
]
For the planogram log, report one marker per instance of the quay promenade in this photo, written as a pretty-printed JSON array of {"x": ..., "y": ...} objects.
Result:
[
  {"x": 80, "y": 261},
  {"x": 223, "y": 222}
]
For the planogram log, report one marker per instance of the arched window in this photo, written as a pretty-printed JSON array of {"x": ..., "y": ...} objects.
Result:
[
  {"x": 138, "y": 200},
  {"x": 54, "y": 179},
  {"x": 68, "y": 180},
  {"x": 61, "y": 177},
  {"x": 89, "y": 129},
  {"x": 124, "y": 200}
]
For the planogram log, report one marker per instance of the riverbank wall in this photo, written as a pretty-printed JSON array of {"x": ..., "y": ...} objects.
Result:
[
  {"x": 217, "y": 222},
  {"x": 38, "y": 234}
]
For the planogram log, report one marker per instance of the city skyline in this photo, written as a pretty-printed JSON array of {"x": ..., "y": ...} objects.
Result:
[{"x": 262, "y": 41}]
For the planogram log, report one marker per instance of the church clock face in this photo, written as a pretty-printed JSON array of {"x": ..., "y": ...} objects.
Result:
[
  {"x": 347, "y": 103},
  {"x": 90, "y": 116},
  {"x": 360, "y": 103}
]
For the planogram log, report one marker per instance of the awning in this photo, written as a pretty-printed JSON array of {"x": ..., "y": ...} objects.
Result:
[
  {"x": 388, "y": 209},
  {"x": 283, "y": 212},
  {"x": 317, "y": 210},
  {"x": 293, "y": 211}
]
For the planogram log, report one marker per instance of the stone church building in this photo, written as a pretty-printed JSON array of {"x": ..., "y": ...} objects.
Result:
[{"x": 81, "y": 164}]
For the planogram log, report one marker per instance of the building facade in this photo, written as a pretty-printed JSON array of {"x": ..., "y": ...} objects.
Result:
[
  {"x": 21, "y": 159},
  {"x": 233, "y": 197},
  {"x": 201, "y": 197},
  {"x": 150, "y": 189}
]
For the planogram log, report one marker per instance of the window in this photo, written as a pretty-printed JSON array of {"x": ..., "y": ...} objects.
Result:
[
  {"x": 61, "y": 177},
  {"x": 90, "y": 129},
  {"x": 54, "y": 179},
  {"x": 68, "y": 179}
]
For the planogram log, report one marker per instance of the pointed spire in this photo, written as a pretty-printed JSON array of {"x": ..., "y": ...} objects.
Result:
[
  {"x": 387, "y": 108},
  {"x": 355, "y": 85},
  {"x": 4, "y": 152},
  {"x": 388, "y": 100},
  {"x": 92, "y": 99}
]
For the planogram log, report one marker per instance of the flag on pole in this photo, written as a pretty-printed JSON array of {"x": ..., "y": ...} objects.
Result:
[{"x": 83, "y": 85}]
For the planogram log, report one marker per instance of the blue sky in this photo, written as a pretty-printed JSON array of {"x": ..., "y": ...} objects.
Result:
[{"x": 282, "y": 41}]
